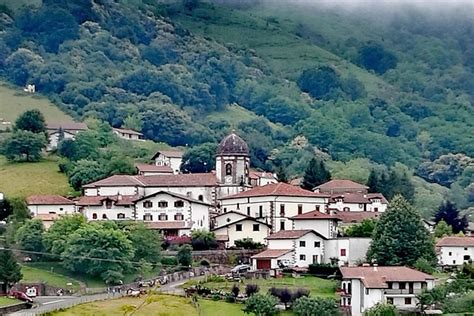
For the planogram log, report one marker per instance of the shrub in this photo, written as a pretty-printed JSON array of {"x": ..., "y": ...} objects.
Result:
[
  {"x": 235, "y": 290},
  {"x": 230, "y": 298},
  {"x": 216, "y": 297},
  {"x": 261, "y": 305},
  {"x": 184, "y": 255},
  {"x": 382, "y": 310},
  {"x": 251, "y": 289},
  {"x": 315, "y": 306},
  {"x": 169, "y": 261},
  {"x": 323, "y": 269},
  {"x": 215, "y": 278},
  {"x": 248, "y": 243},
  {"x": 424, "y": 265},
  {"x": 300, "y": 293}
]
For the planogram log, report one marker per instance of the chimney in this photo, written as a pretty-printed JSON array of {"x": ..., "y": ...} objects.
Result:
[{"x": 375, "y": 267}]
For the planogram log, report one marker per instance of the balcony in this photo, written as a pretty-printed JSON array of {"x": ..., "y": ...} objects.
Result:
[{"x": 401, "y": 292}]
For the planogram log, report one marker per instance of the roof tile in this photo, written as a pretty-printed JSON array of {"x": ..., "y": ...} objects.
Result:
[
  {"x": 282, "y": 189},
  {"x": 48, "y": 200},
  {"x": 378, "y": 277},
  {"x": 452, "y": 241},
  {"x": 271, "y": 253}
]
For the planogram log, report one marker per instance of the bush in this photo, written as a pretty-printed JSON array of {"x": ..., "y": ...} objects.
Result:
[
  {"x": 424, "y": 265},
  {"x": 261, "y": 305},
  {"x": 230, "y": 298},
  {"x": 216, "y": 278},
  {"x": 322, "y": 269},
  {"x": 216, "y": 297},
  {"x": 382, "y": 310},
  {"x": 300, "y": 293},
  {"x": 184, "y": 256},
  {"x": 169, "y": 261},
  {"x": 251, "y": 289},
  {"x": 235, "y": 290},
  {"x": 315, "y": 306},
  {"x": 247, "y": 243}
]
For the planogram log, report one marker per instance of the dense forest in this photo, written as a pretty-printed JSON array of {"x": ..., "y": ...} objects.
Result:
[{"x": 389, "y": 89}]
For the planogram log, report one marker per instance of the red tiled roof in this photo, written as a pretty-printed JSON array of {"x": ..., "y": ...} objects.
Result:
[
  {"x": 143, "y": 167},
  {"x": 289, "y": 234},
  {"x": 271, "y": 253},
  {"x": 167, "y": 225},
  {"x": 115, "y": 180},
  {"x": 355, "y": 217},
  {"x": 177, "y": 180},
  {"x": 127, "y": 131},
  {"x": 316, "y": 215},
  {"x": 179, "y": 196},
  {"x": 340, "y": 184},
  {"x": 48, "y": 200},
  {"x": 281, "y": 189},
  {"x": 98, "y": 200},
  {"x": 359, "y": 197},
  {"x": 456, "y": 242},
  {"x": 47, "y": 217},
  {"x": 378, "y": 278},
  {"x": 169, "y": 153},
  {"x": 67, "y": 126}
]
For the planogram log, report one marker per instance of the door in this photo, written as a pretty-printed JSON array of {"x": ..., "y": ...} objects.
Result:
[
  {"x": 263, "y": 264},
  {"x": 410, "y": 287},
  {"x": 315, "y": 259}
]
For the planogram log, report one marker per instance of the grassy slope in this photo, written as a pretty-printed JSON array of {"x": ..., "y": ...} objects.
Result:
[
  {"x": 5, "y": 301},
  {"x": 33, "y": 275},
  {"x": 23, "y": 179},
  {"x": 13, "y": 102},
  {"x": 163, "y": 305}
]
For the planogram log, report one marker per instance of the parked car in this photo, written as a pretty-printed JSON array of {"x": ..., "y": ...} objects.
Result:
[
  {"x": 241, "y": 268},
  {"x": 21, "y": 296}
]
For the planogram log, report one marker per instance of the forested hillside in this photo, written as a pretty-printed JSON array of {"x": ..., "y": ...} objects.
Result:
[{"x": 392, "y": 85}]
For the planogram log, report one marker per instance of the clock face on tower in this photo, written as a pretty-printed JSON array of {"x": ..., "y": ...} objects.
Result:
[{"x": 228, "y": 179}]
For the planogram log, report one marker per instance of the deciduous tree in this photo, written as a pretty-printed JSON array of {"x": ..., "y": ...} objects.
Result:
[
  {"x": 24, "y": 145},
  {"x": 31, "y": 120},
  {"x": 315, "y": 306},
  {"x": 261, "y": 305},
  {"x": 448, "y": 212}
]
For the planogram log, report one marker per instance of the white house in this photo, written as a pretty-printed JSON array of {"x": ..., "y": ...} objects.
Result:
[
  {"x": 152, "y": 170},
  {"x": 113, "y": 207},
  {"x": 259, "y": 178},
  {"x": 59, "y": 131},
  {"x": 170, "y": 158},
  {"x": 358, "y": 202},
  {"x": 338, "y": 186},
  {"x": 128, "y": 134},
  {"x": 348, "y": 251},
  {"x": 364, "y": 287},
  {"x": 245, "y": 227},
  {"x": 274, "y": 203},
  {"x": 454, "y": 251},
  {"x": 306, "y": 246},
  {"x": 323, "y": 223},
  {"x": 49, "y": 207}
]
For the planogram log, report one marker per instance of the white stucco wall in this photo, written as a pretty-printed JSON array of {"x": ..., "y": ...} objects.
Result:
[
  {"x": 173, "y": 163},
  {"x": 327, "y": 228},
  {"x": 111, "y": 213},
  {"x": 358, "y": 207},
  {"x": 226, "y": 218},
  {"x": 356, "y": 250},
  {"x": 309, "y": 250},
  {"x": 454, "y": 256},
  {"x": 52, "y": 209},
  {"x": 246, "y": 232},
  {"x": 193, "y": 192},
  {"x": 54, "y": 140}
]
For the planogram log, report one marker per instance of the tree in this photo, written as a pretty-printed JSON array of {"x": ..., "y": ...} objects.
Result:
[
  {"x": 133, "y": 122},
  {"x": 200, "y": 158},
  {"x": 30, "y": 235},
  {"x": 203, "y": 240},
  {"x": 146, "y": 242},
  {"x": 85, "y": 171},
  {"x": 375, "y": 57},
  {"x": 321, "y": 83},
  {"x": 5, "y": 209},
  {"x": 32, "y": 120},
  {"x": 400, "y": 238},
  {"x": 373, "y": 182},
  {"x": 261, "y": 305},
  {"x": 442, "y": 229},
  {"x": 364, "y": 229},
  {"x": 315, "y": 174},
  {"x": 381, "y": 309},
  {"x": 446, "y": 169},
  {"x": 282, "y": 175},
  {"x": 24, "y": 145},
  {"x": 119, "y": 164},
  {"x": 185, "y": 256},
  {"x": 448, "y": 212},
  {"x": 315, "y": 306},
  {"x": 57, "y": 236},
  {"x": 10, "y": 270},
  {"x": 97, "y": 250},
  {"x": 247, "y": 243},
  {"x": 399, "y": 182}
]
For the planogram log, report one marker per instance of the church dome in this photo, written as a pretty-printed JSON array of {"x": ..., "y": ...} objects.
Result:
[{"x": 232, "y": 144}]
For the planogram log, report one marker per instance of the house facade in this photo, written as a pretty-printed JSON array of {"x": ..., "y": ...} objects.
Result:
[
  {"x": 363, "y": 287},
  {"x": 49, "y": 207},
  {"x": 152, "y": 170},
  {"x": 59, "y": 131},
  {"x": 170, "y": 158},
  {"x": 274, "y": 204},
  {"x": 128, "y": 134},
  {"x": 245, "y": 227},
  {"x": 455, "y": 251},
  {"x": 260, "y": 178}
]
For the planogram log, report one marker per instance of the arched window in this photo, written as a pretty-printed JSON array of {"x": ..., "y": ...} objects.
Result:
[
  {"x": 200, "y": 197},
  {"x": 104, "y": 216},
  {"x": 346, "y": 209},
  {"x": 178, "y": 203},
  {"x": 162, "y": 204},
  {"x": 228, "y": 169},
  {"x": 148, "y": 204},
  {"x": 120, "y": 216},
  {"x": 94, "y": 216}
]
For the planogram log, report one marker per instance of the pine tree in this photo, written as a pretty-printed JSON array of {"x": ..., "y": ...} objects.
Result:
[
  {"x": 373, "y": 182},
  {"x": 448, "y": 212},
  {"x": 10, "y": 270},
  {"x": 400, "y": 238},
  {"x": 282, "y": 175},
  {"x": 315, "y": 174}
]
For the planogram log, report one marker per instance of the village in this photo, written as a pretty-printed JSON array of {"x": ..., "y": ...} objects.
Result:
[{"x": 291, "y": 229}]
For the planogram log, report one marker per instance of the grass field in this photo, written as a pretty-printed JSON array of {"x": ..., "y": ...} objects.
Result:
[
  {"x": 5, "y": 301},
  {"x": 317, "y": 286},
  {"x": 219, "y": 308},
  {"x": 23, "y": 179},
  {"x": 13, "y": 102},
  {"x": 33, "y": 275},
  {"x": 163, "y": 305}
]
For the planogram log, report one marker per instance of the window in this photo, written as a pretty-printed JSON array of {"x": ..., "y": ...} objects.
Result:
[
  {"x": 361, "y": 205},
  {"x": 256, "y": 227},
  {"x": 147, "y": 204},
  {"x": 343, "y": 252},
  {"x": 401, "y": 285},
  {"x": 282, "y": 225},
  {"x": 349, "y": 301},
  {"x": 162, "y": 204},
  {"x": 228, "y": 220},
  {"x": 302, "y": 243},
  {"x": 366, "y": 291},
  {"x": 317, "y": 244},
  {"x": 467, "y": 257},
  {"x": 147, "y": 217},
  {"x": 376, "y": 209},
  {"x": 238, "y": 227},
  {"x": 450, "y": 253},
  {"x": 454, "y": 261},
  {"x": 390, "y": 285},
  {"x": 179, "y": 217},
  {"x": 248, "y": 210},
  {"x": 302, "y": 257},
  {"x": 228, "y": 169},
  {"x": 282, "y": 209},
  {"x": 407, "y": 300},
  {"x": 162, "y": 217},
  {"x": 62, "y": 209},
  {"x": 178, "y": 203},
  {"x": 300, "y": 208},
  {"x": 238, "y": 206},
  {"x": 108, "y": 204},
  {"x": 201, "y": 197},
  {"x": 225, "y": 209},
  {"x": 346, "y": 209},
  {"x": 52, "y": 212},
  {"x": 120, "y": 216},
  {"x": 318, "y": 208},
  {"x": 349, "y": 288},
  {"x": 104, "y": 216},
  {"x": 94, "y": 216},
  {"x": 465, "y": 248},
  {"x": 260, "y": 211},
  {"x": 390, "y": 300}
]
